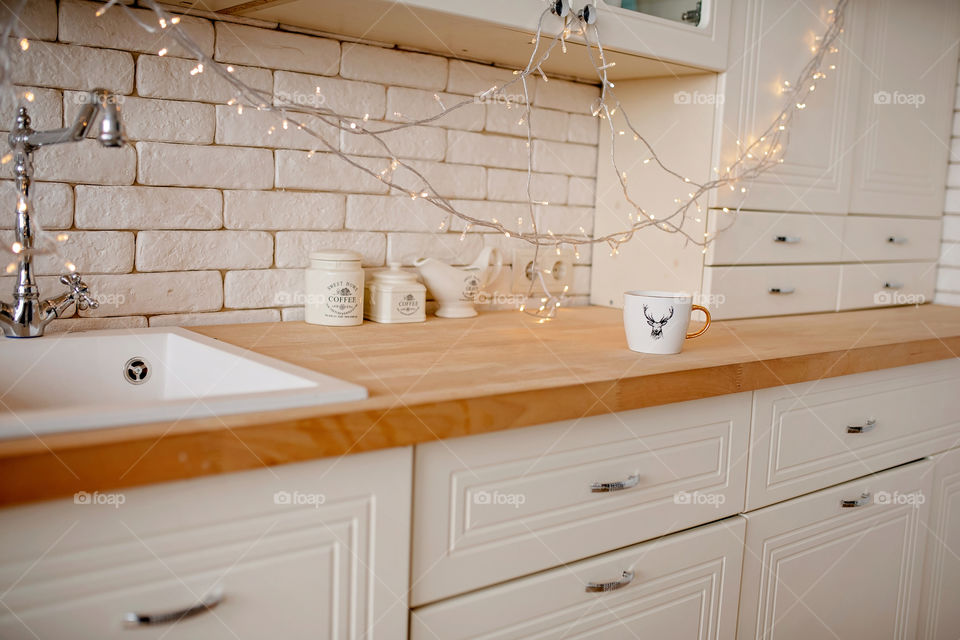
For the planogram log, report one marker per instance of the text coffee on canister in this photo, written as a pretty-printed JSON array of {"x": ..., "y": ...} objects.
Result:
[{"x": 334, "y": 288}]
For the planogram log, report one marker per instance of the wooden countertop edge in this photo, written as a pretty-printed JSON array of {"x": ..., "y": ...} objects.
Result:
[{"x": 60, "y": 466}]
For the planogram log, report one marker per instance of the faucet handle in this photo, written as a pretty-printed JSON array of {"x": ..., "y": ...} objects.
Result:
[{"x": 81, "y": 294}]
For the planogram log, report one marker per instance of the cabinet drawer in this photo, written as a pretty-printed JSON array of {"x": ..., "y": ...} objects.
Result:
[
  {"x": 883, "y": 284},
  {"x": 800, "y": 435},
  {"x": 874, "y": 238},
  {"x": 774, "y": 238},
  {"x": 740, "y": 292},
  {"x": 939, "y": 615},
  {"x": 496, "y": 506},
  {"x": 312, "y": 550},
  {"x": 684, "y": 587},
  {"x": 813, "y": 568}
]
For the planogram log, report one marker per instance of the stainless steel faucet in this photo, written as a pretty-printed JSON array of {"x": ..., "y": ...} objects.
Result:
[{"x": 28, "y": 316}]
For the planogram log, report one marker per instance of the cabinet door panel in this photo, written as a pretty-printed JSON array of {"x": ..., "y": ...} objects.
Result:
[
  {"x": 939, "y": 614},
  {"x": 816, "y": 569}
]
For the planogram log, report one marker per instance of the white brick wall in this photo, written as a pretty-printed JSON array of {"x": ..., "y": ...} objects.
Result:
[
  {"x": 210, "y": 214},
  {"x": 948, "y": 273}
]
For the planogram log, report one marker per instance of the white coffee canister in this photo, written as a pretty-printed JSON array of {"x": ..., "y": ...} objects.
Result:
[
  {"x": 334, "y": 287},
  {"x": 394, "y": 296}
]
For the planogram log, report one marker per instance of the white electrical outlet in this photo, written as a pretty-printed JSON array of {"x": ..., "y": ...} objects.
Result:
[{"x": 557, "y": 269}]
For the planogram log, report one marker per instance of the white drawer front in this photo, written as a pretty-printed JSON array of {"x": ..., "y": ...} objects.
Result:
[
  {"x": 875, "y": 238},
  {"x": 813, "y": 568},
  {"x": 885, "y": 284},
  {"x": 497, "y": 506},
  {"x": 800, "y": 437},
  {"x": 684, "y": 587},
  {"x": 289, "y": 566},
  {"x": 741, "y": 292},
  {"x": 774, "y": 238}
]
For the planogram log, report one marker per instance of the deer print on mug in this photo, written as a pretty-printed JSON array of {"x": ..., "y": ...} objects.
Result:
[{"x": 656, "y": 326}]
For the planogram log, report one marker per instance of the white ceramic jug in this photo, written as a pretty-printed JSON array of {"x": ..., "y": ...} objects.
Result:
[{"x": 455, "y": 288}]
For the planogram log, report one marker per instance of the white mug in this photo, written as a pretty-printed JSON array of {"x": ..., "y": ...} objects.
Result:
[{"x": 657, "y": 321}]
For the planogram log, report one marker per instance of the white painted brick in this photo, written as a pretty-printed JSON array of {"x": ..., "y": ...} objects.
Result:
[
  {"x": 45, "y": 111},
  {"x": 449, "y": 180},
  {"x": 948, "y": 299},
  {"x": 197, "y": 250},
  {"x": 407, "y": 105},
  {"x": 506, "y": 212},
  {"x": 170, "y": 78},
  {"x": 89, "y": 251},
  {"x": 427, "y": 143},
  {"x": 564, "y": 219},
  {"x": 292, "y": 314},
  {"x": 951, "y": 227},
  {"x": 953, "y": 175},
  {"x": 198, "y": 166},
  {"x": 327, "y": 172},
  {"x": 243, "y": 316},
  {"x": 149, "y": 293},
  {"x": 95, "y": 324},
  {"x": 573, "y": 97},
  {"x": 509, "y": 185},
  {"x": 278, "y": 210},
  {"x": 191, "y": 8},
  {"x": 294, "y": 247},
  {"x": 52, "y": 204},
  {"x": 392, "y": 213},
  {"x": 474, "y": 79},
  {"x": 407, "y": 247},
  {"x": 263, "y": 288},
  {"x": 67, "y": 66},
  {"x": 348, "y": 97},
  {"x": 38, "y": 19},
  {"x": 487, "y": 150},
  {"x": 952, "y": 202},
  {"x": 277, "y": 49},
  {"x": 393, "y": 67},
  {"x": 582, "y": 191},
  {"x": 584, "y": 129},
  {"x": 547, "y": 124},
  {"x": 86, "y": 162},
  {"x": 950, "y": 254},
  {"x": 155, "y": 120},
  {"x": 147, "y": 208},
  {"x": 265, "y": 129},
  {"x": 562, "y": 157},
  {"x": 118, "y": 29}
]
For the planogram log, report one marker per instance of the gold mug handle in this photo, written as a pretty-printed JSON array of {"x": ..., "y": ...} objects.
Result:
[{"x": 704, "y": 327}]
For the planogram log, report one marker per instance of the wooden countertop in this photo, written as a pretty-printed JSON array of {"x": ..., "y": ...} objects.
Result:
[{"x": 448, "y": 378}]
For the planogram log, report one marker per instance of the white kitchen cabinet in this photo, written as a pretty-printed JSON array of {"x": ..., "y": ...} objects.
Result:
[
  {"x": 814, "y": 568},
  {"x": 497, "y": 506},
  {"x": 882, "y": 284},
  {"x": 939, "y": 614},
  {"x": 314, "y": 550},
  {"x": 907, "y": 55},
  {"x": 682, "y": 587}
]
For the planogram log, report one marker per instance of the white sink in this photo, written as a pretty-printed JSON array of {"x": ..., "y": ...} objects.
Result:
[{"x": 83, "y": 381}]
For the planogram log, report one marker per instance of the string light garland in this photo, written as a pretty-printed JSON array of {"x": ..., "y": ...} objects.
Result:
[{"x": 758, "y": 156}]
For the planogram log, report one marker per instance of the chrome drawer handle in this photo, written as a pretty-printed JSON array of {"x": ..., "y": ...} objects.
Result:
[
  {"x": 862, "y": 428},
  {"x": 208, "y": 602},
  {"x": 781, "y": 291},
  {"x": 862, "y": 501},
  {"x": 893, "y": 285},
  {"x": 897, "y": 240},
  {"x": 787, "y": 239},
  {"x": 599, "y": 587},
  {"x": 606, "y": 487}
]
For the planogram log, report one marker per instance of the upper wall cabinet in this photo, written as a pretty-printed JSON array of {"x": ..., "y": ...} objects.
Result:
[
  {"x": 874, "y": 136},
  {"x": 652, "y": 40}
]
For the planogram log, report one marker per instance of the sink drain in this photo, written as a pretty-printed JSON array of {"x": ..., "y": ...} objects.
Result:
[{"x": 136, "y": 371}]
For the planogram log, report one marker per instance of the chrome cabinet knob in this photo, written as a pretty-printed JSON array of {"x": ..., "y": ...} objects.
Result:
[
  {"x": 619, "y": 485},
  {"x": 862, "y": 428},
  {"x": 600, "y": 587},
  {"x": 212, "y": 599},
  {"x": 862, "y": 501}
]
